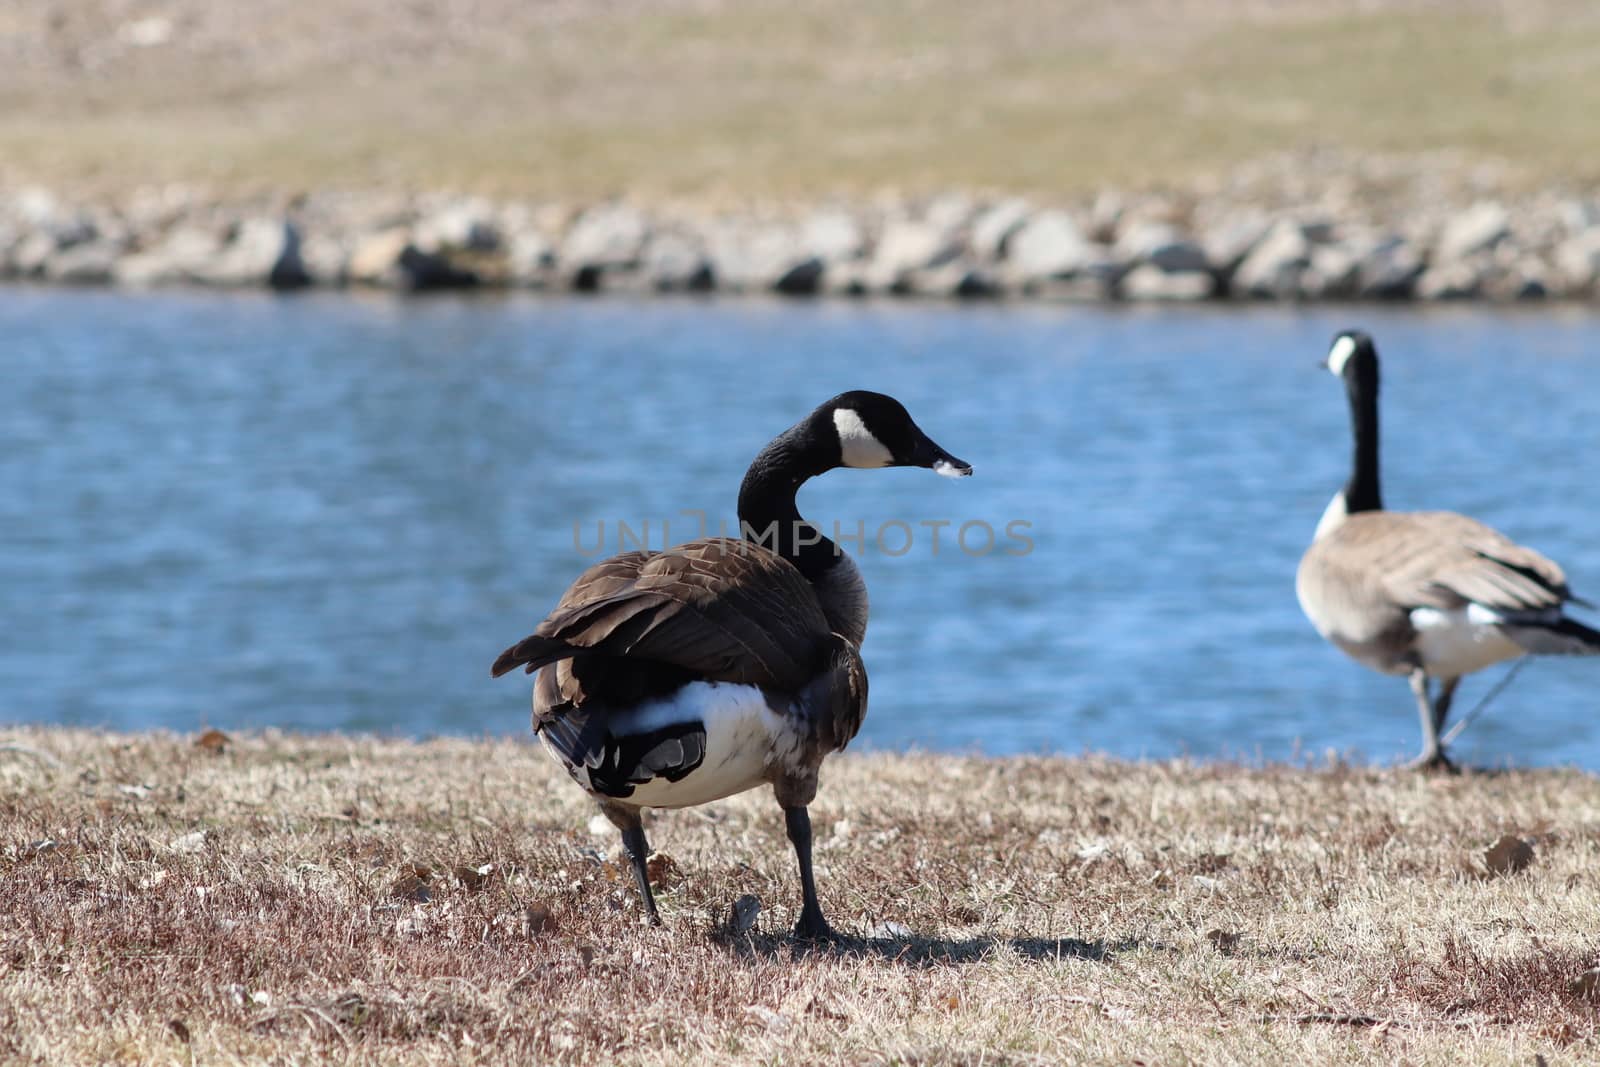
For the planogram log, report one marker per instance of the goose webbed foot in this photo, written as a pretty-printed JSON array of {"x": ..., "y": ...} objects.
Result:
[
  {"x": 1434, "y": 762},
  {"x": 815, "y": 929}
]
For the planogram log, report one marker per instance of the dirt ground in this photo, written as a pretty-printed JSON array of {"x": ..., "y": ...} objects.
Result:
[
  {"x": 299, "y": 899},
  {"x": 757, "y": 99}
]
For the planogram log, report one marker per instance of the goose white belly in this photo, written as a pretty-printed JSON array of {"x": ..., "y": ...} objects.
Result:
[
  {"x": 744, "y": 738},
  {"x": 1460, "y": 641}
]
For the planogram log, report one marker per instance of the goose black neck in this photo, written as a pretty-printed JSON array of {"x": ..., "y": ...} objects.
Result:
[
  {"x": 1361, "y": 492},
  {"x": 768, "y": 515}
]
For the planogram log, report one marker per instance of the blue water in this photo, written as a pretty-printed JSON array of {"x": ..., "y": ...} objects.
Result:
[{"x": 330, "y": 513}]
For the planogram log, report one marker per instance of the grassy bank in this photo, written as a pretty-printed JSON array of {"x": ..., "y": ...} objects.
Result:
[
  {"x": 293, "y": 899},
  {"x": 766, "y": 99}
]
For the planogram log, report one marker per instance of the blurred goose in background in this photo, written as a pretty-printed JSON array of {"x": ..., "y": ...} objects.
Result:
[
  {"x": 676, "y": 678},
  {"x": 1428, "y": 594}
]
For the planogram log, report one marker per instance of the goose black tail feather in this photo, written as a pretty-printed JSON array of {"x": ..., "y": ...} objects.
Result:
[
  {"x": 835, "y": 701},
  {"x": 534, "y": 651},
  {"x": 1564, "y": 637}
]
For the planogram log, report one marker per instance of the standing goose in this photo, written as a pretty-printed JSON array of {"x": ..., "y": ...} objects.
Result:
[
  {"x": 1427, "y": 594},
  {"x": 676, "y": 678}
]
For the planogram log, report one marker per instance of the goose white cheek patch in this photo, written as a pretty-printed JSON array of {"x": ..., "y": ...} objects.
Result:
[
  {"x": 950, "y": 470},
  {"x": 857, "y": 446},
  {"x": 1340, "y": 354}
]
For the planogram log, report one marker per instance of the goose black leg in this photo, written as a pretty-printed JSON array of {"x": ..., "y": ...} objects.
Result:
[
  {"x": 633, "y": 843},
  {"x": 812, "y": 926},
  {"x": 1441, "y": 703},
  {"x": 1431, "y": 715}
]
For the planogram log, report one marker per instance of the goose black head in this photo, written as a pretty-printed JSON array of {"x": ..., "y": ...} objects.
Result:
[
  {"x": 1354, "y": 357},
  {"x": 874, "y": 430}
]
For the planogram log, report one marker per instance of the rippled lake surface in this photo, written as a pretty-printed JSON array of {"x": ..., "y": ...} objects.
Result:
[{"x": 331, "y": 513}]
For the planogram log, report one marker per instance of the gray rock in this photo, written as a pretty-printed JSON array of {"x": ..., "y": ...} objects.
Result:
[
  {"x": 889, "y": 931},
  {"x": 833, "y": 236},
  {"x": 30, "y": 255},
  {"x": 140, "y": 270},
  {"x": 355, "y": 214},
  {"x": 151, "y": 210},
  {"x": 752, "y": 256},
  {"x": 1318, "y": 231},
  {"x": 1457, "y": 280},
  {"x": 262, "y": 252},
  {"x": 958, "y": 279},
  {"x": 1149, "y": 282},
  {"x": 848, "y": 278},
  {"x": 973, "y": 283},
  {"x": 391, "y": 259},
  {"x": 1477, "y": 229},
  {"x": 673, "y": 262},
  {"x": 1333, "y": 273},
  {"x": 1527, "y": 278},
  {"x": 608, "y": 237},
  {"x": 802, "y": 279},
  {"x": 1388, "y": 270},
  {"x": 66, "y": 229},
  {"x": 1083, "y": 287},
  {"x": 1273, "y": 268},
  {"x": 35, "y": 206},
  {"x": 467, "y": 225},
  {"x": 180, "y": 258},
  {"x": 529, "y": 255},
  {"x": 951, "y": 215},
  {"x": 1577, "y": 262},
  {"x": 1577, "y": 215},
  {"x": 742, "y": 915},
  {"x": 421, "y": 272},
  {"x": 108, "y": 226},
  {"x": 1106, "y": 216},
  {"x": 375, "y": 258},
  {"x": 288, "y": 270},
  {"x": 946, "y": 247},
  {"x": 1228, "y": 243},
  {"x": 1531, "y": 287},
  {"x": 994, "y": 227},
  {"x": 10, "y": 237},
  {"x": 1161, "y": 245},
  {"x": 909, "y": 245},
  {"x": 1050, "y": 245},
  {"x": 326, "y": 259},
  {"x": 91, "y": 263},
  {"x": 614, "y": 280}
]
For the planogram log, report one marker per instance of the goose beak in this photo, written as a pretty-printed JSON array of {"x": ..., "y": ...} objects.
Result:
[{"x": 938, "y": 460}]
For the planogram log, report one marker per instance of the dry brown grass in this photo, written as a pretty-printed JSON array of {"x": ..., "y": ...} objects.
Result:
[
  {"x": 298, "y": 899},
  {"x": 768, "y": 98}
]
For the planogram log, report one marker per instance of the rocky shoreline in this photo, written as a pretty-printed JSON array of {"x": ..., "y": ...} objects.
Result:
[{"x": 1255, "y": 237}]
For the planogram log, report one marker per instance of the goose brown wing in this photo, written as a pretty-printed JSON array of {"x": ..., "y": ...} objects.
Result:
[
  {"x": 1444, "y": 560},
  {"x": 835, "y": 701},
  {"x": 720, "y": 608},
  {"x": 603, "y": 579}
]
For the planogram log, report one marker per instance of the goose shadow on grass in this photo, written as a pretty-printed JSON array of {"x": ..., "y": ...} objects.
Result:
[{"x": 918, "y": 950}]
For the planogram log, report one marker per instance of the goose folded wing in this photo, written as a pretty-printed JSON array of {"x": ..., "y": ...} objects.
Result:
[
  {"x": 603, "y": 579},
  {"x": 1455, "y": 561},
  {"x": 835, "y": 701},
  {"x": 723, "y": 609}
]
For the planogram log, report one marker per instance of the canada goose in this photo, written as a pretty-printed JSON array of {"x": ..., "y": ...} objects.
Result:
[
  {"x": 676, "y": 678},
  {"x": 1427, "y": 594}
]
